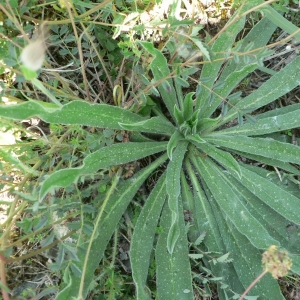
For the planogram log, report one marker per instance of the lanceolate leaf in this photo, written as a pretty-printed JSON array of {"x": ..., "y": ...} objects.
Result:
[
  {"x": 232, "y": 206},
  {"x": 271, "y": 162},
  {"x": 266, "y": 125},
  {"x": 281, "y": 22},
  {"x": 114, "y": 210},
  {"x": 160, "y": 71},
  {"x": 174, "y": 280},
  {"x": 258, "y": 37},
  {"x": 260, "y": 146},
  {"x": 143, "y": 237},
  {"x": 173, "y": 190},
  {"x": 211, "y": 70},
  {"x": 188, "y": 106},
  {"x": 278, "y": 199},
  {"x": 173, "y": 142},
  {"x": 189, "y": 207},
  {"x": 153, "y": 125},
  {"x": 276, "y": 224},
  {"x": 247, "y": 263},
  {"x": 73, "y": 113},
  {"x": 222, "y": 157},
  {"x": 108, "y": 156},
  {"x": 279, "y": 84},
  {"x": 205, "y": 216},
  {"x": 231, "y": 82}
]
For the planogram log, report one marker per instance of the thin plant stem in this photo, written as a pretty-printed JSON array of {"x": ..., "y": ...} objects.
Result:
[
  {"x": 253, "y": 284},
  {"x": 108, "y": 195},
  {"x": 78, "y": 39}
]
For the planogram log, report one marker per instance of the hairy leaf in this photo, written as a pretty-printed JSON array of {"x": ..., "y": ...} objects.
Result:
[
  {"x": 173, "y": 190},
  {"x": 143, "y": 237},
  {"x": 174, "y": 280},
  {"x": 106, "y": 157},
  {"x": 73, "y": 113}
]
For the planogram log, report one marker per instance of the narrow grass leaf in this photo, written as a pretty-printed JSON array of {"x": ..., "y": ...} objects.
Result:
[{"x": 42, "y": 88}]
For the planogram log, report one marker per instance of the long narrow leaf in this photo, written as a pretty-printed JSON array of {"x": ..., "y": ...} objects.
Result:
[
  {"x": 211, "y": 70},
  {"x": 109, "y": 156},
  {"x": 153, "y": 125},
  {"x": 281, "y": 22},
  {"x": 276, "y": 224},
  {"x": 260, "y": 146},
  {"x": 73, "y": 113},
  {"x": 232, "y": 206},
  {"x": 160, "y": 70},
  {"x": 174, "y": 280},
  {"x": 224, "y": 158},
  {"x": 271, "y": 162},
  {"x": 279, "y": 84},
  {"x": 173, "y": 190},
  {"x": 275, "y": 197},
  {"x": 247, "y": 263},
  {"x": 258, "y": 36},
  {"x": 266, "y": 125},
  {"x": 143, "y": 237},
  {"x": 204, "y": 214},
  {"x": 113, "y": 212}
]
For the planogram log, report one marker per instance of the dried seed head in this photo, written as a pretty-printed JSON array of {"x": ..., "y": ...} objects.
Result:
[
  {"x": 33, "y": 55},
  {"x": 277, "y": 262}
]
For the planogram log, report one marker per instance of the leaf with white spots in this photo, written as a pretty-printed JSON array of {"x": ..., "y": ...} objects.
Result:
[
  {"x": 173, "y": 269},
  {"x": 266, "y": 147},
  {"x": 279, "y": 122},
  {"x": 153, "y": 125},
  {"x": 143, "y": 237},
  {"x": 283, "y": 202},
  {"x": 222, "y": 157},
  {"x": 74, "y": 113},
  {"x": 114, "y": 210},
  {"x": 106, "y": 157},
  {"x": 278, "y": 85},
  {"x": 173, "y": 191},
  {"x": 232, "y": 206}
]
